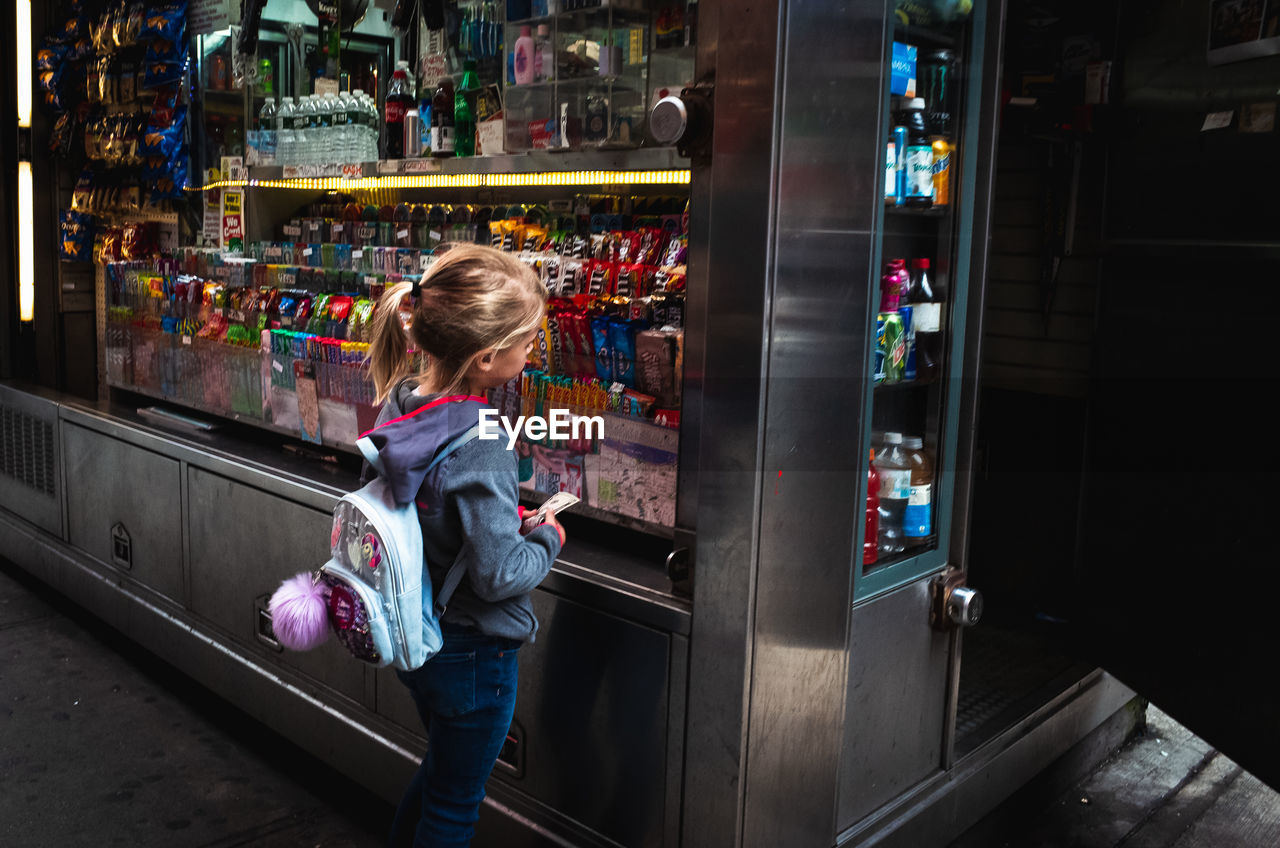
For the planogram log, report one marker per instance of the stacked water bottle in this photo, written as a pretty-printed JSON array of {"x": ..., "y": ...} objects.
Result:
[{"x": 318, "y": 129}]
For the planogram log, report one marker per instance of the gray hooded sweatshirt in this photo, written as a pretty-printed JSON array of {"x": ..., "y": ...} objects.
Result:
[{"x": 468, "y": 509}]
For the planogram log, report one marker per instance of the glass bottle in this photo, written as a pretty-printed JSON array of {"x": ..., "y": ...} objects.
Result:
[{"x": 464, "y": 111}]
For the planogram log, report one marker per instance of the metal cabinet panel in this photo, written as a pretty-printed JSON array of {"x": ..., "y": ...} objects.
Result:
[
  {"x": 124, "y": 508},
  {"x": 30, "y": 474},
  {"x": 244, "y": 541},
  {"x": 896, "y": 701},
  {"x": 589, "y": 734}
]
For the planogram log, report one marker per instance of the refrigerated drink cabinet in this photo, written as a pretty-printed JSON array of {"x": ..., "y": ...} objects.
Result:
[{"x": 718, "y": 664}]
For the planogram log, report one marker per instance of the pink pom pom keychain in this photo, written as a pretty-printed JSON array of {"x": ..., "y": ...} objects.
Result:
[{"x": 299, "y": 612}]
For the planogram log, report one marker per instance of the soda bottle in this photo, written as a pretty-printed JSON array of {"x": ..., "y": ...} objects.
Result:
[
  {"x": 870, "y": 536},
  {"x": 926, "y": 298},
  {"x": 267, "y": 138},
  {"x": 895, "y": 492},
  {"x": 442, "y": 104},
  {"x": 917, "y": 522},
  {"x": 919, "y": 192},
  {"x": 464, "y": 111},
  {"x": 399, "y": 101}
]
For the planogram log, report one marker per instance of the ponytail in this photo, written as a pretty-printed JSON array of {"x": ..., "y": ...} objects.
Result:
[
  {"x": 389, "y": 349},
  {"x": 471, "y": 298}
]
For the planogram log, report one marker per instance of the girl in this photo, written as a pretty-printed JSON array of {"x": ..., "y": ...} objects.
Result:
[{"x": 476, "y": 318}]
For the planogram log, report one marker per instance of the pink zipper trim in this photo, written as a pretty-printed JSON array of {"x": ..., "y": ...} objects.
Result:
[{"x": 432, "y": 405}]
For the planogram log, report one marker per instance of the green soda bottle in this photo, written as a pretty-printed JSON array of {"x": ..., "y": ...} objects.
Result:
[{"x": 464, "y": 111}]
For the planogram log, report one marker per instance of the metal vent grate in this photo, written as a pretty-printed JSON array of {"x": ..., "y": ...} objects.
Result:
[{"x": 26, "y": 450}]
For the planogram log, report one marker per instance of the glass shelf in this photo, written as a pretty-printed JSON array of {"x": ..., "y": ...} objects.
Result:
[
  {"x": 652, "y": 160},
  {"x": 922, "y": 36}
]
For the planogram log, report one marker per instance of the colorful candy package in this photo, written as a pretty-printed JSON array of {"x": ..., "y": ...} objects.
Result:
[{"x": 601, "y": 346}]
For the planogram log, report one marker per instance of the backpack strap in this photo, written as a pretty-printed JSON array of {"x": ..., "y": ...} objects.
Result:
[{"x": 454, "y": 575}]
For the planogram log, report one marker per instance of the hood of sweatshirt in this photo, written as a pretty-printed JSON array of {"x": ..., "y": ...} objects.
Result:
[{"x": 412, "y": 429}]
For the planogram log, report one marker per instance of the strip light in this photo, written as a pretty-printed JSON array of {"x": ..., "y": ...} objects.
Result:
[
  {"x": 548, "y": 178},
  {"x": 26, "y": 245},
  {"x": 22, "y": 12}
]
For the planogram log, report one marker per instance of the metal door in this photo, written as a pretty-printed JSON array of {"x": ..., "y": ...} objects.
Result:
[{"x": 1173, "y": 591}]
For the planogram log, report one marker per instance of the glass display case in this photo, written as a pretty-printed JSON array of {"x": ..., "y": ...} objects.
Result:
[
  {"x": 919, "y": 287},
  {"x": 272, "y": 329},
  {"x": 581, "y": 78}
]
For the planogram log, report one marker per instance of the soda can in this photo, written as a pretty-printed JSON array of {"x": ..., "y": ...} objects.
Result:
[
  {"x": 877, "y": 375},
  {"x": 266, "y": 77},
  {"x": 942, "y": 150},
  {"x": 906, "y": 313},
  {"x": 895, "y": 348}
]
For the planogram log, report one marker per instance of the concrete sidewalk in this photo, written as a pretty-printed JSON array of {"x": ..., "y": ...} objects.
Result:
[
  {"x": 1165, "y": 788},
  {"x": 101, "y": 744}
]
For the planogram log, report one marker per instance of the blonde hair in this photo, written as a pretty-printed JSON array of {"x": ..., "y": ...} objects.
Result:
[{"x": 472, "y": 298}]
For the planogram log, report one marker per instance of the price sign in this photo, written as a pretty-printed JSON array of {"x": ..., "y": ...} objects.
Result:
[{"x": 295, "y": 232}]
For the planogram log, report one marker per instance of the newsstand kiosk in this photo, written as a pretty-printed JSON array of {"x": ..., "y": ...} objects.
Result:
[{"x": 770, "y": 219}]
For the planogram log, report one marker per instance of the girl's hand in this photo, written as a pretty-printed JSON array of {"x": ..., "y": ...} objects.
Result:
[{"x": 551, "y": 519}]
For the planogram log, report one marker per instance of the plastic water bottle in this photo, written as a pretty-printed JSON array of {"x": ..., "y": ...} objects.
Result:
[
  {"x": 284, "y": 132},
  {"x": 344, "y": 152},
  {"x": 372, "y": 129},
  {"x": 267, "y": 139},
  {"x": 301, "y": 131},
  {"x": 310, "y": 152},
  {"x": 328, "y": 147}
]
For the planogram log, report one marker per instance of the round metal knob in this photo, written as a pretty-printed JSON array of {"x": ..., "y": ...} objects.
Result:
[
  {"x": 669, "y": 119},
  {"x": 964, "y": 606}
]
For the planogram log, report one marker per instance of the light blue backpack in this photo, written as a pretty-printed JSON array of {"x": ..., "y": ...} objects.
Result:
[{"x": 374, "y": 591}]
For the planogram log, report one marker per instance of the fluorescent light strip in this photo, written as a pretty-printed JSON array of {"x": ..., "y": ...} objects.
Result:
[
  {"x": 26, "y": 245},
  {"x": 548, "y": 178},
  {"x": 22, "y": 12}
]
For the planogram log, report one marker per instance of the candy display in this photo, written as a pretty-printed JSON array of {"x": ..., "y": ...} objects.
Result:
[{"x": 227, "y": 347}]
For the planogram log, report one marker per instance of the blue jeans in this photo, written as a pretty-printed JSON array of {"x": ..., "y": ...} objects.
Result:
[{"x": 466, "y": 696}]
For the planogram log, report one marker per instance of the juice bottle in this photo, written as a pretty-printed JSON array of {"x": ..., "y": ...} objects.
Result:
[
  {"x": 870, "y": 540},
  {"x": 895, "y": 491},
  {"x": 917, "y": 524}
]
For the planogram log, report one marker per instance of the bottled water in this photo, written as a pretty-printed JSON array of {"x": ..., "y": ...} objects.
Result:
[
  {"x": 267, "y": 139},
  {"x": 369, "y": 122},
  {"x": 343, "y": 152},
  {"x": 301, "y": 126},
  {"x": 284, "y": 132},
  {"x": 324, "y": 112},
  {"x": 310, "y": 132}
]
